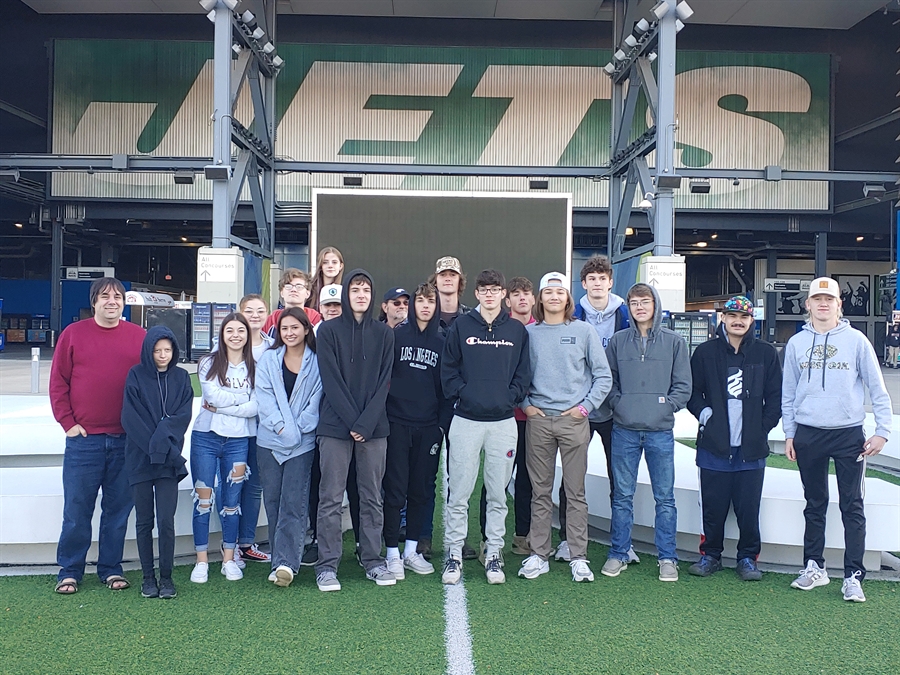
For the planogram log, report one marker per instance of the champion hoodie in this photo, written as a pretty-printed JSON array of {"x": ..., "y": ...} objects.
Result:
[
  {"x": 156, "y": 413},
  {"x": 416, "y": 397},
  {"x": 486, "y": 368},
  {"x": 651, "y": 377},
  {"x": 355, "y": 362},
  {"x": 825, "y": 376}
]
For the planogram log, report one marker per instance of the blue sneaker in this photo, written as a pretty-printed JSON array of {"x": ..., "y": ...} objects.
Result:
[
  {"x": 706, "y": 566},
  {"x": 747, "y": 570}
]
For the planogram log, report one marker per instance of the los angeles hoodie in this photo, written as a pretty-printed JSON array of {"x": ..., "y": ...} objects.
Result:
[
  {"x": 156, "y": 413},
  {"x": 355, "y": 361},
  {"x": 825, "y": 376},
  {"x": 486, "y": 368},
  {"x": 416, "y": 397}
]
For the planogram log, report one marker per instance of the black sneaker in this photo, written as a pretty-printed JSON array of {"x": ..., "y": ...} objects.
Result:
[
  {"x": 747, "y": 570},
  {"x": 424, "y": 547},
  {"x": 166, "y": 588},
  {"x": 149, "y": 589},
  {"x": 468, "y": 553},
  {"x": 310, "y": 555},
  {"x": 706, "y": 566}
]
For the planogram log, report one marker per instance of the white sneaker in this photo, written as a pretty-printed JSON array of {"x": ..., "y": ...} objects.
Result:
[
  {"x": 668, "y": 570},
  {"x": 237, "y": 556},
  {"x": 452, "y": 571},
  {"x": 284, "y": 575},
  {"x": 632, "y": 556},
  {"x": 493, "y": 570},
  {"x": 562, "y": 552},
  {"x": 811, "y": 577},
  {"x": 271, "y": 576},
  {"x": 534, "y": 566},
  {"x": 200, "y": 573},
  {"x": 852, "y": 588},
  {"x": 581, "y": 571},
  {"x": 231, "y": 571},
  {"x": 417, "y": 563},
  {"x": 395, "y": 567}
]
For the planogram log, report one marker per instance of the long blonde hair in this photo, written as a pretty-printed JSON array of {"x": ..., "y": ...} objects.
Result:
[{"x": 318, "y": 279}]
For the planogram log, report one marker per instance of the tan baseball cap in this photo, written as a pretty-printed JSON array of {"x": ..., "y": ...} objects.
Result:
[
  {"x": 447, "y": 263},
  {"x": 824, "y": 286}
]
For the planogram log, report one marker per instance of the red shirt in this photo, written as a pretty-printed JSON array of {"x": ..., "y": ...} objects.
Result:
[
  {"x": 272, "y": 321},
  {"x": 87, "y": 375}
]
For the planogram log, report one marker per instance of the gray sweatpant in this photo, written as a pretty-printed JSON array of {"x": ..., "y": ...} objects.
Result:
[
  {"x": 334, "y": 462},
  {"x": 466, "y": 441}
]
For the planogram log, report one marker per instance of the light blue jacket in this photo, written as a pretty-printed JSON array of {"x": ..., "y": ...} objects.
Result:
[{"x": 287, "y": 425}]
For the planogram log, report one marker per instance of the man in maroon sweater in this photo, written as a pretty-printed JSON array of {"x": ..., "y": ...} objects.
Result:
[{"x": 87, "y": 386}]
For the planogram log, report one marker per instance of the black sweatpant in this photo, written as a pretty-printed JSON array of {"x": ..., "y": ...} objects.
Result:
[
  {"x": 165, "y": 492},
  {"x": 413, "y": 455},
  {"x": 522, "y": 501},
  {"x": 814, "y": 448},
  {"x": 719, "y": 490},
  {"x": 605, "y": 431}
]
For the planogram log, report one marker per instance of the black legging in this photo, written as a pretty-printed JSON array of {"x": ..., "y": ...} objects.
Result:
[{"x": 165, "y": 491}]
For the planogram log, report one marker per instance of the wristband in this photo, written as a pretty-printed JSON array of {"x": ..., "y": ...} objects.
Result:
[{"x": 583, "y": 410}]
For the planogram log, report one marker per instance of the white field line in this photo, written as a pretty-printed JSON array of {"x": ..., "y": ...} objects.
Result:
[{"x": 457, "y": 636}]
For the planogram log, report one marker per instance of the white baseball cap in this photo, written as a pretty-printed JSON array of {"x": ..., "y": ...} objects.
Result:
[
  {"x": 554, "y": 279},
  {"x": 824, "y": 286},
  {"x": 330, "y": 293}
]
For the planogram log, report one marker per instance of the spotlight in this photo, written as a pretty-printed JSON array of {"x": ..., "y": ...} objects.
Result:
[
  {"x": 257, "y": 33},
  {"x": 860, "y": 238},
  {"x": 208, "y": 5},
  {"x": 619, "y": 55},
  {"x": 700, "y": 186},
  {"x": 216, "y": 172},
  {"x": 684, "y": 11},
  {"x": 651, "y": 57},
  {"x": 184, "y": 178},
  {"x": 277, "y": 61},
  {"x": 661, "y": 9},
  {"x": 642, "y": 26},
  {"x": 184, "y": 239},
  {"x": 236, "y": 48},
  {"x": 211, "y": 16},
  {"x": 230, "y": 4},
  {"x": 736, "y": 182},
  {"x": 714, "y": 235},
  {"x": 679, "y": 24},
  {"x": 631, "y": 41},
  {"x": 873, "y": 191},
  {"x": 19, "y": 225},
  {"x": 672, "y": 181},
  {"x": 701, "y": 244},
  {"x": 268, "y": 48},
  {"x": 609, "y": 68},
  {"x": 645, "y": 204},
  {"x": 629, "y": 231},
  {"x": 248, "y": 18}
]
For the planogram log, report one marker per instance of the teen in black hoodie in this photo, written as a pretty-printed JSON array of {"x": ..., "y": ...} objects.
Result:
[
  {"x": 156, "y": 414},
  {"x": 356, "y": 355},
  {"x": 418, "y": 413}
]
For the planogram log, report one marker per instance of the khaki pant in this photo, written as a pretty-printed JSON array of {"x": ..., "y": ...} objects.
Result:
[{"x": 544, "y": 435}]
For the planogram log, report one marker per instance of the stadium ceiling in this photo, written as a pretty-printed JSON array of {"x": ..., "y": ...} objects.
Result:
[{"x": 826, "y": 14}]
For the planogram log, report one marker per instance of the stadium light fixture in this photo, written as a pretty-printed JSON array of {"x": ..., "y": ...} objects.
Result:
[
  {"x": 700, "y": 186},
  {"x": 684, "y": 11},
  {"x": 661, "y": 9}
]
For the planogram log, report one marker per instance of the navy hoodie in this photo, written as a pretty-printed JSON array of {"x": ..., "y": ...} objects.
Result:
[
  {"x": 355, "y": 362},
  {"x": 416, "y": 397},
  {"x": 486, "y": 368},
  {"x": 156, "y": 414}
]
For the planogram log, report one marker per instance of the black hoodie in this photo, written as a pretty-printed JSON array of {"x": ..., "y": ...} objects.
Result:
[
  {"x": 486, "y": 368},
  {"x": 416, "y": 397},
  {"x": 355, "y": 361},
  {"x": 156, "y": 414}
]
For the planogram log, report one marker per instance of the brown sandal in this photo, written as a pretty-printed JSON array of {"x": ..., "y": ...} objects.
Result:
[
  {"x": 114, "y": 579},
  {"x": 68, "y": 582}
]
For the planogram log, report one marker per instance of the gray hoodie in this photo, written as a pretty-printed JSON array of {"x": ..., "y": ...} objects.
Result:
[
  {"x": 651, "y": 378},
  {"x": 824, "y": 378}
]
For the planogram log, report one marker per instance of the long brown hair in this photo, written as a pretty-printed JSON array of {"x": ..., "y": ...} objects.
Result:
[
  {"x": 538, "y": 310},
  {"x": 299, "y": 314},
  {"x": 318, "y": 280},
  {"x": 218, "y": 360}
]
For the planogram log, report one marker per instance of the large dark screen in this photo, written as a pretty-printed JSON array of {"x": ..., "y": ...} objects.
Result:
[{"x": 398, "y": 237}]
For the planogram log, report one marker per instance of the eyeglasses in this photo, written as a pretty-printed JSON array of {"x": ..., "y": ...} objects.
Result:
[
  {"x": 494, "y": 290},
  {"x": 640, "y": 304},
  {"x": 295, "y": 287}
]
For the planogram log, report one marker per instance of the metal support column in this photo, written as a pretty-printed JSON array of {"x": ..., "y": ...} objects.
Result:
[
  {"x": 664, "y": 230},
  {"x": 56, "y": 262},
  {"x": 221, "y": 215},
  {"x": 821, "y": 254},
  {"x": 771, "y": 298},
  {"x": 616, "y": 181}
]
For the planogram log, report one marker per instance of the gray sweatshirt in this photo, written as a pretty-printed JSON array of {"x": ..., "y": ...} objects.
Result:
[
  {"x": 569, "y": 365},
  {"x": 825, "y": 376},
  {"x": 651, "y": 376}
]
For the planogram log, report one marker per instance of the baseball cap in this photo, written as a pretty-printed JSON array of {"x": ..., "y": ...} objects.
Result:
[
  {"x": 554, "y": 279},
  {"x": 330, "y": 293},
  {"x": 739, "y": 304},
  {"x": 824, "y": 286},
  {"x": 395, "y": 293},
  {"x": 446, "y": 263}
]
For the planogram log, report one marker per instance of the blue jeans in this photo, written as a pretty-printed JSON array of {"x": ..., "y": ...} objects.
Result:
[
  {"x": 213, "y": 455},
  {"x": 90, "y": 463},
  {"x": 658, "y": 448},
  {"x": 251, "y": 498}
]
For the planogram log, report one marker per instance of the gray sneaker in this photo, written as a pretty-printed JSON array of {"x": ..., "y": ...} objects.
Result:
[
  {"x": 811, "y": 577},
  {"x": 668, "y": 570},
  {"x": 381, "y": 575},
  {"x": 328, "y": 581},
  {"x": 613, "y": 567},
  {"x": 852, "y": 588},
  {"x": 417, "y": 563},
  {"x": 632, "y": 556}
]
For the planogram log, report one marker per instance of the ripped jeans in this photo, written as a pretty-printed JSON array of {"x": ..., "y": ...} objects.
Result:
[{"x": 213, "y": 455}]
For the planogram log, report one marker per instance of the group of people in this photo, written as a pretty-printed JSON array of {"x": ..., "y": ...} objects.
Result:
[{"x": 320, "y": 398}]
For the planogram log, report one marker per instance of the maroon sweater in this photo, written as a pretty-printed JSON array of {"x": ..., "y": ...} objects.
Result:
[{"x": 87, "y": 375}]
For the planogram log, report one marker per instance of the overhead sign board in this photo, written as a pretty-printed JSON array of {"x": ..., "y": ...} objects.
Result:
[
  {"x": 772, "y": 285},
  {"x": 88, "y": 272}
]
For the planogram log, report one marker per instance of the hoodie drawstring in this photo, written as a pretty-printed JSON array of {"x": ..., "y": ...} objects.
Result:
[
  {"x": 163, "y": 397},
  {"x": 824, "y": 359}
]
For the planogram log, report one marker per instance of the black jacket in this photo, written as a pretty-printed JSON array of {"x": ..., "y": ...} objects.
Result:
[
  {"x": 486, "y": 368},
  {"x": 355, "y": 362},
  {"x": 761, "y": 392},
  {"x": 156, "y": 414},
  {"x": 416, "y": 397}
]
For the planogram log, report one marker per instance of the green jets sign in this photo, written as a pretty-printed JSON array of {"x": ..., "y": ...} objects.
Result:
[{"x": 442, "y": 106}]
